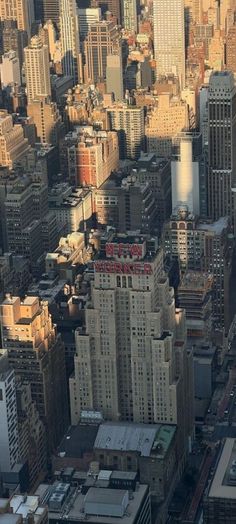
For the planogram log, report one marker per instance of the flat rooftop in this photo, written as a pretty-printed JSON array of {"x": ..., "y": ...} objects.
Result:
[
  {"x": 78, "y": 440},
  {"x": 195, "y": 280},
  {"x": 216, "y": 227},
  {"x": 222, "y": 486},
  {"x": 76, "y": 511},
  {"x": 10, "y": 518},
  {"x": 146, "y": 439}
]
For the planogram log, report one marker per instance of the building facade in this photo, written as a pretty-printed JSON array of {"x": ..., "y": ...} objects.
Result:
[
  {"x": 128, "y": 121},
  {"x": 102, "y": 40},
  {"x": 70, "y": 39},
  {"x": 36, "y": 353},
  {"x": 37, "y": 70},
  {"x": 169, "y": 39},
  {"x": 131, "y": 361},
  {"x": 221, "y": 144},
  {"x": 9, "y": 438}
]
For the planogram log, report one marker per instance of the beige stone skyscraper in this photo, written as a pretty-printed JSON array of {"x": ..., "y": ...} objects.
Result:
[
  {"x": 19, "y": 10},
  {"x": 70, "y": 42},
  {"x": 37, "y": 70},
  {"x": 131, "y": 360},
  {"x": 169, "y": 38},
  {"x": 36, "y": 353}
]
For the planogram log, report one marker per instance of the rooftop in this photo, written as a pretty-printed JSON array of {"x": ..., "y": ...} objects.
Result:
[
  {"x": 24, "y": 506},
  {"x": 109, "y": 500},
  {"x": 10, "y": 518},
  {"x": 224, "y": 481},
  {"x": 78, "y": 440},
  {"x": 216, "y": 227},
  {"x": 146, "y": 439},
  {"x": 196, "y": 280}
]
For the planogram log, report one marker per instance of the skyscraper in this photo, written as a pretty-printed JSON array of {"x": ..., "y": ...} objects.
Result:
[
  {"x": 37, "y": 70},
  {"x": 36, "y": 353},
  {"x": 129, "y": 14},
  {"x": 230, "y": 47},
  {"x": 20, "y": 10},
  {"x": 69, "y": 34},
  {"x": 169, "y": 40},
  {"x": 129, "y": 122},
  {"x": 102, "y": 40},
  {"x": 221, "y": 144},
  {"x": 114, "y": 76},
  {"x": 125, "y": 363},
  {"x": 9, "y": 441},
  {"x": 47, "y": 10}
]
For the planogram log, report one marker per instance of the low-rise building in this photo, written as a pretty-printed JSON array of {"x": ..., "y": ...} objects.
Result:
[
  {"x": 99, "y": 505},
  {"x": 149, "y": 449},
  {"x": 28, "y": 506}
]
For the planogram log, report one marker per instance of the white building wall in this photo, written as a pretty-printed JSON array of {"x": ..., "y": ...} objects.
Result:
[{"x": 185, "y": 179}]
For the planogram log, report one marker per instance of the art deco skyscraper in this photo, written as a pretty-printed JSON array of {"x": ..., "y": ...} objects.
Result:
[
  {"x": 131, "y": 359},
  {"x": 37, "y": 70},
  {"x": 169, "y": 39},
  {"x": 102, "y": 40},
  {"x": 69, "y": 35},
  {"x": 221, "y": 144}
]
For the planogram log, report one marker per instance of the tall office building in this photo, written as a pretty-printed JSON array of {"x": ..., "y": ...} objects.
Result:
[
  {"x": 9, "y": 442},
  {"x": 131, "y": 360},
  {"x": 32, "y": 433},
  {"x": 36, "y": 353},
  {"x": 169, "y": 39},
  {"x": 102, "y": 40},
  {"x": 205, "y": 246},
  {"x": 13, "y": 39},
  {"x": 20, "y": 10},
  {"x": 114, "y": 77},
  {"x": 129, "y": 14},
  {"x": 37, "y": 70},
  {"x": 221, "y": 144},
  {"x": 230, "y": 47},
  {"x": 47, "y": 10},
  {"x": 88, "y": 16},
  {"x": 166, "y": 119},
  {"x": 70, "y": 40},
  {"x": 128, "y": 121}
]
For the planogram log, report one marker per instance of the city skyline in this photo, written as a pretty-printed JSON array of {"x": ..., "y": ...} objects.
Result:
[{"x": 117, "y": 261}]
